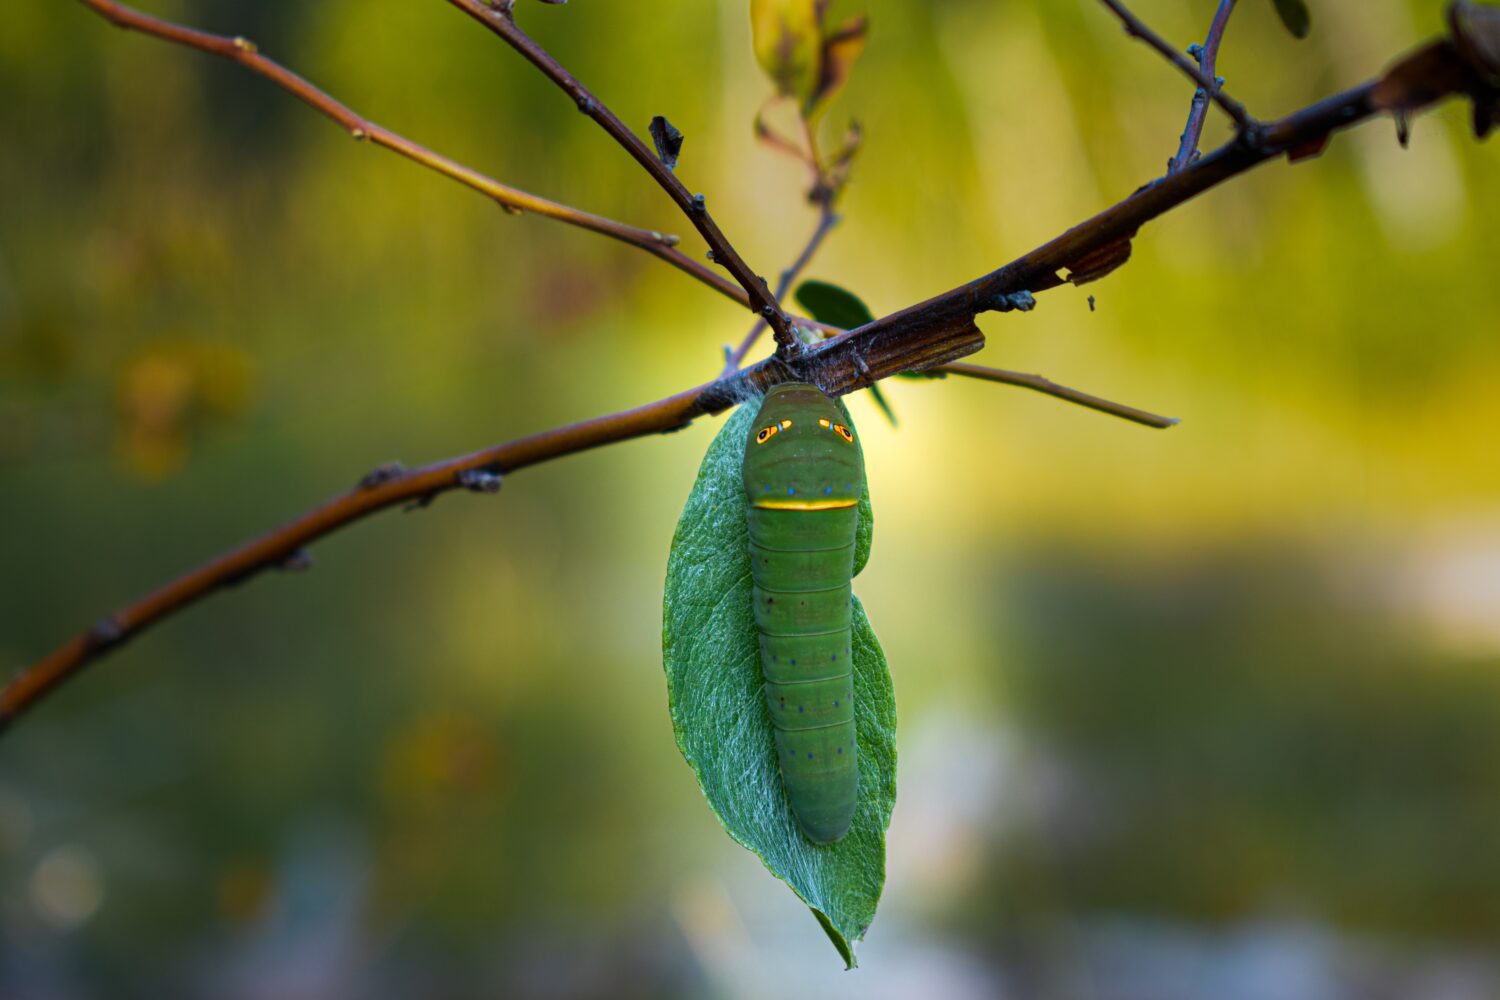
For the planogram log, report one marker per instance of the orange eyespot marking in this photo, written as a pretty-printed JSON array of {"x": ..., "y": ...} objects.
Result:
[
  {"x": 843, "y": 432},
  {"x": 766, "y": 433},
  {"x": 785, "y": 424},
  {"x": 825, "y": 423}
]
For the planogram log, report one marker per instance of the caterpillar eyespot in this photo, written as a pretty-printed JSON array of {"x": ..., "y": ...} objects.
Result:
[{"x": 802, "y": 544}]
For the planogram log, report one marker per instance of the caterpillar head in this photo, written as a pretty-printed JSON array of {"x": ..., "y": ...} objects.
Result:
[{"x": 802, "y": 452}]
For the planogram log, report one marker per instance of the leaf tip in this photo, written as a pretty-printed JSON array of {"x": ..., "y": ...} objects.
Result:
[{"x": 840, "y": 943}]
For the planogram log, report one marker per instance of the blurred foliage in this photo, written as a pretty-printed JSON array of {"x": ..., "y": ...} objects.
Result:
[
  {"x": 1165, "y": 689},
  {"x": 788, "y": 41},
  {"x": 170, "y": 386},
  {"x": 803, "y": 56}
]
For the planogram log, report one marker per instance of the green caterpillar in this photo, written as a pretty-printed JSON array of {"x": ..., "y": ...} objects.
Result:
[{"x": 803, "y": 475}]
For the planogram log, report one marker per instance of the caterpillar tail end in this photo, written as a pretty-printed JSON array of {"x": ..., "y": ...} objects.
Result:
[
  {"x": 820, "y": 772},
  {"x": 826, "y": 830}
]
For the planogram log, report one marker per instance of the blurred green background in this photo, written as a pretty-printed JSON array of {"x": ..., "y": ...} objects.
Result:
[{"x": 1206, "y": 712}]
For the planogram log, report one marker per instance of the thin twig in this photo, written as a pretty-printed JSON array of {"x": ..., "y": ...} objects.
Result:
[
  {"x": 1049, "y": 388},
  {"x": 1137, "y": 28},
  {"x": 827, "y": 220},
  {"x": 501, "y": 22},
  {"x": 919, "y": 338},
  {"x": 1208, "y": 63}
]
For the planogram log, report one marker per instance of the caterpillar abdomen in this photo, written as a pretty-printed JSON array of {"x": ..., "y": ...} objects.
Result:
[{"x": 802, "y": 480}]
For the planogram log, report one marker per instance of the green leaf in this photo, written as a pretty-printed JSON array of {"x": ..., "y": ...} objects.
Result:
[
  {"x": 1295, "y": 16},
  {"x": 723, "y": 728},
  {"x": 788, "y": 39},
  {"x": 828, "y": 303}
]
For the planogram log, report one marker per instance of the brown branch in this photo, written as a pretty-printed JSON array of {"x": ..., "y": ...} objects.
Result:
[
  {"x": 500, "y": 20},
  {"x": 1047, "y": 387},
  {"x": 827, "y": 220},
  {"x": 919, "y": 338},
  {"x": 244, "y": 52},
  {"x": 1208, "y": 62},
  {"x": 1136, "y": 28}
]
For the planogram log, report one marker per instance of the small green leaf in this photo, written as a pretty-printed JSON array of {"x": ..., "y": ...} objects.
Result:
[
  {"x": 788, "y": 39},
  {"x": 714, "y": 690},
  {"x": 833, "y": 305},
  {"x": 1295, "y": 16},
  {"x": 828, "y": 303}
]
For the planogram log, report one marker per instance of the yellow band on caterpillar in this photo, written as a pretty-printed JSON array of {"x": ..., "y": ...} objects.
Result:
[{"x": 804, "y": 504}]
